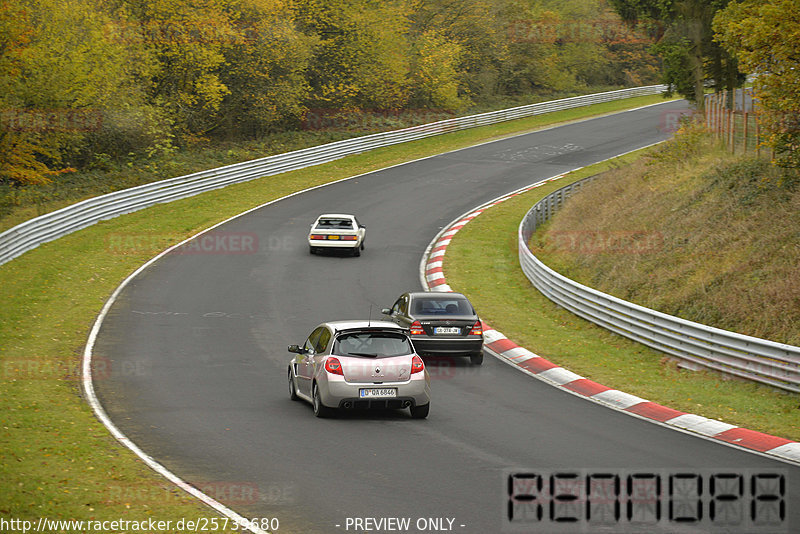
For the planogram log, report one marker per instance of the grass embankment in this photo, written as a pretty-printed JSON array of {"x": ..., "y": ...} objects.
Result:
[
  {"x": 695, "y": 233},
  {"x": 56, "y": 460}
]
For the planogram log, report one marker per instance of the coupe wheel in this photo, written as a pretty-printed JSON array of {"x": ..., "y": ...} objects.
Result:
[
  {"x": 312, "y": 250},
  {"x": 420, "y": 412},
  {"x": 356, "y": 251},
  {"x": 320, "y": 410},
  {"x": 292, "y": 390}
]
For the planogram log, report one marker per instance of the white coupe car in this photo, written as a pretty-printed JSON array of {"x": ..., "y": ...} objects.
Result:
[{"x": 337, "y": 231}]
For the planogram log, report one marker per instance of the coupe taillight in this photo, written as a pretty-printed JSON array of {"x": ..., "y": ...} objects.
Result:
[
  {"x": 477, "y": 329},
  {"x": 334, "y": 366},
  {"x": 416, "y": 365},
  {"x": 416, "y": 329}
]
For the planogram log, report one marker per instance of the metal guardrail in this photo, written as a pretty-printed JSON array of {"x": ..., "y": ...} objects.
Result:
[
  {"x": 32, "y": 233},
  {"x": 696, "y": 345}
]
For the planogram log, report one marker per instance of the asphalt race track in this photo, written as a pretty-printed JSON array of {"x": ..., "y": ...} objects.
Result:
[{"x": 197, "y": 348}]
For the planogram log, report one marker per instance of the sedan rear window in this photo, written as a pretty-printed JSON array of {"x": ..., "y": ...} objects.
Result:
[
  {"x": 335, "y": 224},
  {"x": 372, "y": 344},
  {"x": 442, "y": 306}
]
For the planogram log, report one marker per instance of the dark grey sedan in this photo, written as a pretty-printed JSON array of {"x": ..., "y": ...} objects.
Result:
[{"x": 440, "y": 324}]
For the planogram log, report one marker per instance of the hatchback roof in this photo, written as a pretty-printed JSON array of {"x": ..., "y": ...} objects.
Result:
[{"x": 364, "y": 324}]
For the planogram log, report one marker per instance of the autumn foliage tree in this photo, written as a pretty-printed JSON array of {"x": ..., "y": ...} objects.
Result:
[
  {"x": 266, "y": 68},
  {"x": 685, "y": 44},
  {"x": 59, "y": 79},
  {"x": 92, "y": 83},
  {"x": 765, "y": 35}
]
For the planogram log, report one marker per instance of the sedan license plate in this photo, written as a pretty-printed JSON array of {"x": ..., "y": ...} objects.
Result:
[
  {"x": 372, "y": 393},
  {"x": 445, "y": 330}
]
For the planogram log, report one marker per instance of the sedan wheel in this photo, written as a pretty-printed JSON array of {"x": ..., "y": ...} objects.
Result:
[
  {"x": 476, "y": 358},
  {"x": 320, "y": 410},
  {"x": 420, "y": 412}
]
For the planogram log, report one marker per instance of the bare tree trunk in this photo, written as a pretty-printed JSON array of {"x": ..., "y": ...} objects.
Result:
[{"x": 696, "y": 37}]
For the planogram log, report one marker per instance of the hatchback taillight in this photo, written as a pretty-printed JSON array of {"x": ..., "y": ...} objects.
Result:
[
  {"x": 334, "y": 366},
  {"x": 477, "y": 329},
  {"x": 416, "y": 365},
  {"x": 416, "y": 329}
]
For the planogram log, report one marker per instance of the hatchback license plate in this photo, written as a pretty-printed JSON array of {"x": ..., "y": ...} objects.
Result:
[
  {"x": 444, "y": 330},
  {"x": 377, "y": 392}
]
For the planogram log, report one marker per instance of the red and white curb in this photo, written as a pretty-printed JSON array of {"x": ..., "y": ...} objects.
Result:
[{"x": 433, "y": 279}]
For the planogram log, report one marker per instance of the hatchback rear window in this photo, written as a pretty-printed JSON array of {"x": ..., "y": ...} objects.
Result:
[
  {"x": 442, "y": 306},
  {"x": 372, "y": 344},
  {"x": 335, "y": 224}
]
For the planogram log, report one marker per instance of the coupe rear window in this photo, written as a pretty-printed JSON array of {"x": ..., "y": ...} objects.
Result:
[
  {"x": 442, "y": 306},
  {"x": 372, "y": 344},
  {"x": 335, "y": 224}
]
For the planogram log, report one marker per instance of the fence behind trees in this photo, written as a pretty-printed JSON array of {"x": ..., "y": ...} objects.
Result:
[{"x": 733, "y": 119}]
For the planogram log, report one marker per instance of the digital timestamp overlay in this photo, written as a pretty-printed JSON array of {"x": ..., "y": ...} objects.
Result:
[{"x": 619, "y": 500}]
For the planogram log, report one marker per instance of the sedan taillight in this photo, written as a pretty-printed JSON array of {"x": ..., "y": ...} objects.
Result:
[
  {"x": 416, "y": 365},
  {"x": 416, "y": 329},
  {"x": 334, "y": 366},
  {"x": 477, "y": 329}
]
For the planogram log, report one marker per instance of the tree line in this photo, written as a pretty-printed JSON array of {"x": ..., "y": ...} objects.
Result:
[
  {"x": 86, "y": 80},
  {"x": 714, "y": 43}
]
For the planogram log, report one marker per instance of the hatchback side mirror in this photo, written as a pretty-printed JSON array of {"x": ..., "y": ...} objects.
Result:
[
  {"x": 295, "y": 348},
  {"x": 386, "y": 311}
]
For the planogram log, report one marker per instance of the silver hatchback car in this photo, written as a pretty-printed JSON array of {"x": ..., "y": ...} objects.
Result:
[{"x": 359, "y": 364}]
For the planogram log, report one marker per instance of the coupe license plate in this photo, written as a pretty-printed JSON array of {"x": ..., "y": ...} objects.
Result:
[
  {"x": 377, "y": 393},
  {"x": 333, "y": 237},
  {"x": 445, "y": 330}
]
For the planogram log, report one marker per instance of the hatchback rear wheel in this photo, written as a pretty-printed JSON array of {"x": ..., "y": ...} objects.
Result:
[
  {"x": 420, "y": 412},
  {"x": 320, "y": 410}
]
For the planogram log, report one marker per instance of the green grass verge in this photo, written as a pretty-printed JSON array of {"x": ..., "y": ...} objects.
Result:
[
  {"x": 56, "y": 459},
  {"x": 487, "y": 270}
]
